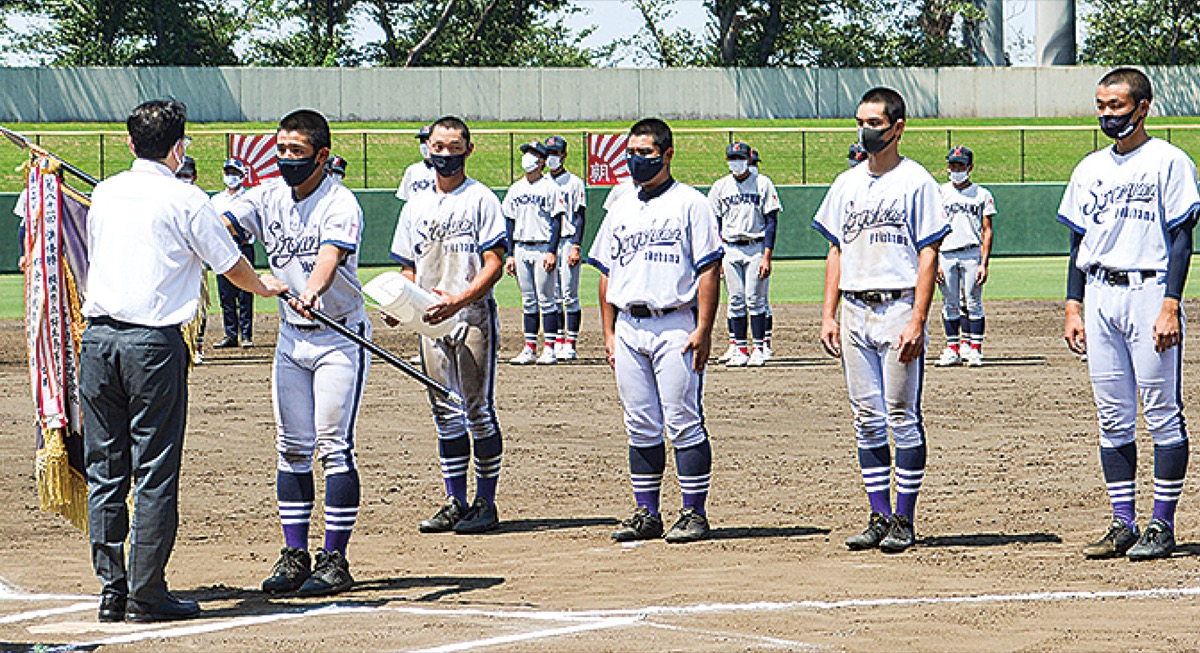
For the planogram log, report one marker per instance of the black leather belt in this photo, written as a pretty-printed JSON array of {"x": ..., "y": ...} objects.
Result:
[
  {"x": 642, "y": 311},
  {"x": 532, "y": 242},
  {"x": 746, "y": 241},
  {"x": 1119, "y": 277},
  {"x": 316, "y": 326},
  {"x": 960, "y": 249},
  {"x": 874, "y": 296}
]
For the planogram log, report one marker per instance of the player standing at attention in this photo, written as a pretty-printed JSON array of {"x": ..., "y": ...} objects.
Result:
[
  {"x": 534, "y": 211},
  {"x": 963, "y": 259},
  {"x": 311, "y": 227},
  {"x": 237, "y": 305},
  {"x": 747, "y": 210},
  {"x": 569, "y": 252},
  {"x": 659, "y": 253},
  {"x": 884, "y": 222},
  {"x": 419, "y": 176},
  {"x": 1131, "y": 209},
  {"x": 451, "y": 241}
]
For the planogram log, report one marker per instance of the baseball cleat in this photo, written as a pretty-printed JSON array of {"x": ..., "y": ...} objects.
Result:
[
  {"x": 247, "y": 343},
  {"x": 1115, "y": 542},
  {"x": 973, "y": 357},
  {"x": 757, "y": 358},
  {"x": 547, "y": 357},
  {"x": 289, "y": 572},
  {"x": 526, "y": 357},
  {"x": 197, "y": 357},
  {"x": 568, "y": 353},
  {"x": 641, "y": 526},
  {"x": 480, "y": 518},
  {"x": 900, "y": 535},
  {"x": 728, "y": 353},
  {"x": 331, "y": 575},
  {"x": 445, "y": 518},
  {"x": 415, "y": 360},
  {"x": 739, "y": 359},
  {"x": 768, "y": 353},
  {"x": 877, "y": 529},
  {"x": 1157, "y": 541},
  {"x": 948, "y": 358},
  {"x": 691, "y": 527},
  {"x": 226, "y": 343}
]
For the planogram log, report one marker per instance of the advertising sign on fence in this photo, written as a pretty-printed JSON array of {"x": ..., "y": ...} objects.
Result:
[
  {"x": 606, "y": 159},
  {"x": 258, "y": 153}
]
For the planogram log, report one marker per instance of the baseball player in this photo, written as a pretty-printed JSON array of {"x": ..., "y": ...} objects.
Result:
[
  {"x": 658, "y": 252},
  {"x": 237, "y": 305},
  {"x": 963, "y": 259},
  {"x": 534, "y": 210},
  {"x": 419, "y": 176},
  {"x": 569, "y": 246},
  {"x": 311, "y": 227},
  {"x": 747, "y": 210},
  {"x": 335, "y": 166},
  {"x": 768, "y": 351},
  {"x": 1131, "y": 209},
  {"x": 856, "y": 155},
  {"x": 884, "y": 222},
  {"x": 451, "y": 241}
]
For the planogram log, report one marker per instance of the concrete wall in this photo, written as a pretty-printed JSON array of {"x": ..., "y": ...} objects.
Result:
[{"x": 369, "y": 94}]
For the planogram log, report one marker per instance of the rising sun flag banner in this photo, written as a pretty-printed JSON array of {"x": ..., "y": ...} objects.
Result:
[
  {"x": 56, "y": 267},
  {"x": 258, "y": 153},
  {"x": 606, "y": 159}
]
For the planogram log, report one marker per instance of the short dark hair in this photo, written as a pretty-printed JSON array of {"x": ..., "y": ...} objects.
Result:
[
  {"x": 1139, "y": 84},
  {"x": 456, "y": 124},
  {"x": 155, "y": 126},
  {"x": 661, "y": 131},
  {"x": 310, "y": 123},
  {"x": 893, "y": 103}
]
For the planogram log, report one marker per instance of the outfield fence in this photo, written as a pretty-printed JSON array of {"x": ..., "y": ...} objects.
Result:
[{"x": 791, "y": 155}]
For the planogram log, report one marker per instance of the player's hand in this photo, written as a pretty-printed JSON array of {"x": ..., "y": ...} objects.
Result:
[
  {"x": 1167, "y": 331},
  {"x": 574, "y": 256},
  {"x": 764, "y": 269},
  {"x": 699, "y": 344},
  {"x": 22, "y": 264},
  {"x": 272, "y": 285},
  {"x": 911, "y": 343},
  {"x": 388, "y": 319},
  {"x": 941, "y": 276},
  {"x": 610, "y": 348},
  {"x": 446, "y": 307},
  {"x": 307, "y": 301},
  {"x": 510, "y": 266},
  {"x": 1073, "y": 331},
  {"x": 831, "y": 337},
  {"x": 550, "y": 262},
  {"x": 981, "y": 275}
]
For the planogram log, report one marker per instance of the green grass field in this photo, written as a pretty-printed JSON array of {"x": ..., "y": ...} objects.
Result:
[
  {"x": 792, "y": 282},
  {"x": 815, "y": 157}
]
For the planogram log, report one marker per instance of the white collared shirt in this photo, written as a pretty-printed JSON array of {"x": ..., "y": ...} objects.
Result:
[{"x": 148, "y": 236}]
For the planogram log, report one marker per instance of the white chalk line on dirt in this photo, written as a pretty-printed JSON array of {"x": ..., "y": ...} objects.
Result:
[
  {"x": 590, "y": 625},
  {"x": 47, "y": 612},
  {"x": 9, "y": 593},
  {"x": 774, "y": 642}
]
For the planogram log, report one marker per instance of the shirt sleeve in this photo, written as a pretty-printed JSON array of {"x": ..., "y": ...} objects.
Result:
[
  {"x": 405, "y": 188},
  {"x": 402, "y": 245},
  {"x": 706, "y": 237},
  {"x": 580, "y": 194},
  {"x": 245, "y": 211},
  {"x": 1068, "y": 209},
  {"x": 508, "y": 208},
  {"x": 493, "y": 232},
  {"x": 211, "y": 240},
  {"x": 559, "y": 202},
  {"x": 1180, "y": 196},
  {"x": 343, "y": 222},
  {"x": 989, "y": 203},
  {"x": 770, "y": 198},
  {"x": 930, "y": 224},
  {"x": 828, "y": 219},
  {"x": 600, "y": 255}
]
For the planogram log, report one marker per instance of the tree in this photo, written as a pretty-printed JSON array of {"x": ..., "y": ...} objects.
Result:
[
  {"x": 321, "y": 40},
  {"x": 1149, "y": 32},
  {"x": 655, "y": 45}
]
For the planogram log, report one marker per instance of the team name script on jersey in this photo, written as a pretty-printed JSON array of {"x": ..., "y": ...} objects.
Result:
[
  {"x": 975, "y": 209},
  {"x": 627, "y": 244},
  {"x": 455, "y": 227},
  {"x": 283, "y": 248},
  {"x": 540, "y": 201},
  {"x": 725, "y": 203},
  {"x": 1142, "y": 192},
  {"x": 879, "y": 217}
]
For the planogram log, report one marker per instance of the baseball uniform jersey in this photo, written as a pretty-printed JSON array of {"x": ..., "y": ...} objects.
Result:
[
  {"x": 965, "y": 209},
  {"x": 741, "y": 206},
  {"x": 418, "y": 177}
]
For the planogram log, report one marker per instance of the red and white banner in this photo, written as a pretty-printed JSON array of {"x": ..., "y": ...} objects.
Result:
[
  {"x": 258, "y": 153},
  {"x": 606, "y": 159}
]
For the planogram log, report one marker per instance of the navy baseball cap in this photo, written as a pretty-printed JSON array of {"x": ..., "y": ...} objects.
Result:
[
  {"x": 535, "y": 147},
  {"x": 237, "y": 166},
  {"x": 187, "y": 168},
  {"x": 857, "y": 153},
  {"x": 754, "y": 157},
  {"x": 960, "y": 154},
  {"x": 425, "y": 132},
  {"x": 738, "y": 150},
  {"x": 556, "y": 144},
  {"x": 337, "y": 164}
]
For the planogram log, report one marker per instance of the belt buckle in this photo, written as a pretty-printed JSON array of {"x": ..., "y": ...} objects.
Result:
[
  {"x": 872, "y": 297},
  {"x": 1117, "y": 277}
]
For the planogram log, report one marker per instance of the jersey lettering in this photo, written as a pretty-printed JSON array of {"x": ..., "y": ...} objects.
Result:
[
  {"x": 627, "y": 245},
  {"x": 879, "y": 217}
]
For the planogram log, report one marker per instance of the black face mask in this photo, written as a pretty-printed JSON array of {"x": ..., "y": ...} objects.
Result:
[
  {"x": 1120, "y": 126},
  {"x": 643, "y": 168},
  {"x": 297, "y": 171},
  {"x": 872, "y": 139},
  {"x": 448, "y": 165}
]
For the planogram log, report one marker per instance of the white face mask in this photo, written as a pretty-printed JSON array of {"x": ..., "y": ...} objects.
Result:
[
  {"x": 530, "y": 162},
  {"x": 424, "y": 150},
  {"x": 960, "y": 177},
  {"x": 738, "y": 166},
  {"x": 554, "y": 162},
  {"x": 233, "y": 181}
]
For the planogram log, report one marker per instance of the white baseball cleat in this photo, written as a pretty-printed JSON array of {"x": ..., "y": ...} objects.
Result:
[
  {"x": 415, "y": 360},
  {"x": 728, "y": 353},
  {"x": 558, "y": 349},
  {"x": 949, "y": 357},
  {"x": 197, "y": 357},
  {"x": 973, "y": 357},
  {"x": 567, "y": 353},
  {"x": 547, "y": 357},
  {"x": 526, "y": 357},
  {"x": 739, "y": 359},
  {"x": 768, "y": 353},
  {"x": 757, "y": 358}
]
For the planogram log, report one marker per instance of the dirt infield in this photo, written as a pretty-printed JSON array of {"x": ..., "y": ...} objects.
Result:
[{"x": 1012, "y": 491}]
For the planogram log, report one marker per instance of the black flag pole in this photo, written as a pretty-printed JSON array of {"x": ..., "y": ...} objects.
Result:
[{"x": 25, "y": 144}]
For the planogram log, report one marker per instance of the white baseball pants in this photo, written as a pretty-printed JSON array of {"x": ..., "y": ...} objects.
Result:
[
  {"x": 660, "y": 392},
  {"x": 747, "y": 292},
  {"x": 959, "y": 270},
  {"x": 538, "y": 287}
]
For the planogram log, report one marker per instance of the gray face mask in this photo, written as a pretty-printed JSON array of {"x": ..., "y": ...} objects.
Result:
[{"x": 872, "y": 139}]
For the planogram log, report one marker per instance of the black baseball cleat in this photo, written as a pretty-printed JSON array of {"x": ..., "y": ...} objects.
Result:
[
  {"x": 691, "y": 527},
  {"x": 1115, "y": 542},
  {"x": 112, "y": 608},
  {"x": 1158, "y": 541},
  {"x": 480, "y": 518},
  {"x": 877, "y": 529},
  {"x": 168, "y": 609},
  {"x": 290, "y": 571},
  {"x": 226, "y": 343},
  {"x": 641, "y": 526},
  {"x": 900, "y": 535},
  {"x": 331, "y": 575},
  {"x": 445, "y": 518}
]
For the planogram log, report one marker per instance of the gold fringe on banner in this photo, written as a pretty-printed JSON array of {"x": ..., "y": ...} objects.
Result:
[
  {"x": 192, "y": 330},
  {"x": 61, "y": 489}
]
